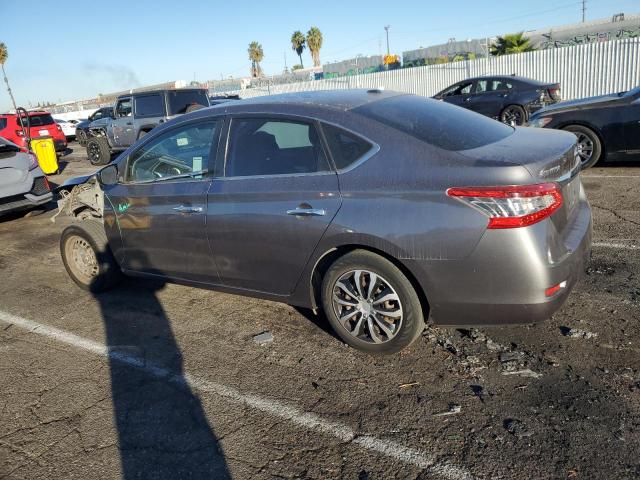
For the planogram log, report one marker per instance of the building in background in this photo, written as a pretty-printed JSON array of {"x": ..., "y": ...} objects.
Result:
[{"x": 617, "y": 27}]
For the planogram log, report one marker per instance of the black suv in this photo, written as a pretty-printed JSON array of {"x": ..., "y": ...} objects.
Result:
[
  {"x": 136, "y": 114},
  {"x": 82, "y": 128},
  {"x": 510, "y": 99}
]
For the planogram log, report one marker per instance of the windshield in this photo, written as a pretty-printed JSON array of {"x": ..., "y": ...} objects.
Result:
[{"x": 181, "y": 100}]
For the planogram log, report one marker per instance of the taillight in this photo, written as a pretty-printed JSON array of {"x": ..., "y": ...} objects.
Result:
[
  {"x": 58, "y": 127},
  {"x": 511, "y": 206}
]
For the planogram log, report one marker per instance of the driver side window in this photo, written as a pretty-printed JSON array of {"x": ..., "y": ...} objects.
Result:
[
  {"x": 185, "y": 150},
  {"x": 123, "y": 108}
]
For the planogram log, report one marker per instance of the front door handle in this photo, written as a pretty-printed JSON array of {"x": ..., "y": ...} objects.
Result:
[
  {"x": 185, "y": 209},
  {"x": 307, "y": 212}
]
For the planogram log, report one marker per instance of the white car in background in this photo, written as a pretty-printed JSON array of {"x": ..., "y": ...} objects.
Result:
[{"x": 68, "y": 128}]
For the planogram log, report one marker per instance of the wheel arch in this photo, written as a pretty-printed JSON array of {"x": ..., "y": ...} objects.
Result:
[{"x": 326, "y": 259}]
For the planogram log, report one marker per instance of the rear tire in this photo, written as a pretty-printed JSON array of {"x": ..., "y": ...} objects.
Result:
[
  {"x": 589, "y": 145},
  {"x": 81, "y": 138},
  {"x": 98, "y": 151},
  {"x": 358, "y": 319},
  {"x": 87, "y": 257},
  {"x": 513, "y": 115}
]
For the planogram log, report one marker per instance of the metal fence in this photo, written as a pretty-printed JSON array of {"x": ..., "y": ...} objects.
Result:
[{"x": 582, "y": 70}]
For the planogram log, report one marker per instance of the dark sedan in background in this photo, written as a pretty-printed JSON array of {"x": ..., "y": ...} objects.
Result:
[
  {"x": 607, "y": 126},
  {"x": 382, "y": 208},
  {"x": 508, "y": 98}
]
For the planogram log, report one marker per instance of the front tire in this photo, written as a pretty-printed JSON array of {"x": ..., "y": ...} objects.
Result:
[
  {"x": 87, "y": 257},
  {"x": 371, "y": 304},
  {"x": 589, "y": 147},
  {"x": 98, "y": 151}
]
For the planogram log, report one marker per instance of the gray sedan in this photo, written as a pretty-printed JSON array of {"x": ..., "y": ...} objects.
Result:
[
  {"x": 382, "y": 209},
  {"x": 22, "y": 183}
]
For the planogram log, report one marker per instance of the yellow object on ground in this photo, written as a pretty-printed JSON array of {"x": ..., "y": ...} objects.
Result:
[{"x": 45, "y": 150}]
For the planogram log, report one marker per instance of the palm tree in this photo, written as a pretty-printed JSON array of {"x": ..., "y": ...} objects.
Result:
[
  {"x": 255, "y": 55},
  {"x": 4, "y": 54},
  {"x": 314, "y": 42},
  {"x": 298, "y": 44},
  {"x": 511, "y": 43}
]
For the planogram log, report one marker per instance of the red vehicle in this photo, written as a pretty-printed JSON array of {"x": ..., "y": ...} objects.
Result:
[{"x": 42, "y": 125}]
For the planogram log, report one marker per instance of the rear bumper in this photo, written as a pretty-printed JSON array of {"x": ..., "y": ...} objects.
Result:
[
  {"x": 61, "y": 145},
  {"x": 504, "y": 280}
]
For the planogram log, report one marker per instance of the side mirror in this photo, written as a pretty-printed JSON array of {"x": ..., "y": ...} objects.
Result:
[{"x": 108, "y": 175}]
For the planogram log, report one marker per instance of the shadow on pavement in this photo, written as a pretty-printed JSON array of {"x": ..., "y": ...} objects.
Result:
[{"x": 162, "y": 428}]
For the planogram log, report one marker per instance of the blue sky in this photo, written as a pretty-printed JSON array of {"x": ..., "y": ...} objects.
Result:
[{"x": 68, "y": 50}]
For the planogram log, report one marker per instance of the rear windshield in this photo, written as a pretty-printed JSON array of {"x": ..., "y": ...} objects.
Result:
[
  {"x": 181, "y": 100},
  {"x": 437, "y": 123},
  {"x": 37, "y": 120}
]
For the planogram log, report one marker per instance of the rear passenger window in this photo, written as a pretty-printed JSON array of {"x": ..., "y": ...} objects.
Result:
[
  {"x": 149, "y": 106},
  {"x": 345, "y": 147},
  {"x": 259, "y": 146},
  {"x": 3, "y": 123}
]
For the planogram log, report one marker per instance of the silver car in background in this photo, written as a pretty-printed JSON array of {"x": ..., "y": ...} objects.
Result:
[{"x": 23, "y": 185}]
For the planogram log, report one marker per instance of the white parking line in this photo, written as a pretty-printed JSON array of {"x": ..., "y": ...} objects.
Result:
[
  {"x": 291, "y": 413},
  {"x": 610, "y": 176},
  {"x": 624, "y": 246}
]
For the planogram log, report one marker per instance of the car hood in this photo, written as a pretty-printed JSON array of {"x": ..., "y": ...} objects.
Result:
[
  {"x": 578, "y": 104},
  {"x": 72, "y": 182}
]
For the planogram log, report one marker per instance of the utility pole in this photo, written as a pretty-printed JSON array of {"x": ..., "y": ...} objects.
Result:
[
  {"x": 286, "y": 70},
  {"x": 584, "y": 10},
  {"x": 386, "y": 28}
]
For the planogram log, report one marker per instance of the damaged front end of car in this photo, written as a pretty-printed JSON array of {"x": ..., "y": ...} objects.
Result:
[{"x": 81, "y": 198}]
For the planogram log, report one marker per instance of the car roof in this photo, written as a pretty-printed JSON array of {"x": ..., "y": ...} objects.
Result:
[
  {"x": 517, "y": 78},
  {"x": 334, "y": 99},
  {"x": 162, "y": 90},
  {"x": 35, "y": 112}
]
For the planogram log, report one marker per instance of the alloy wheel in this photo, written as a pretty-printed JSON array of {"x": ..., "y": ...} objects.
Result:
[
  {"x": 513, "y": 116},
  {"x": 367, "y": 306},
  {"x": 93, "y": 151},
  {"x": 584, "y": 148}
]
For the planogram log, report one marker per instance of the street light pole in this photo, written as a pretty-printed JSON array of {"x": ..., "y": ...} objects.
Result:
[{"x": 386, "y": 28}]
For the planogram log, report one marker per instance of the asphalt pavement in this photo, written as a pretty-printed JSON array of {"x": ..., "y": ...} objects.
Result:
[{"x": 161, "y": 381}]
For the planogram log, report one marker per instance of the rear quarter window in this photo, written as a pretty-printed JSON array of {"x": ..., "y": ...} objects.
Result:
[
  {"x": 181, "y": 100},
  {"x": 436, "y": 123},
  {"x": 346, "y": 148},
  {"x": 3, "y": 123}
]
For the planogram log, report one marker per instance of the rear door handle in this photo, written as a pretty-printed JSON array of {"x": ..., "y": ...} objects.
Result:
[
  {"x": 307, "y": 212},
  {"x": 185, "y": 209}
]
